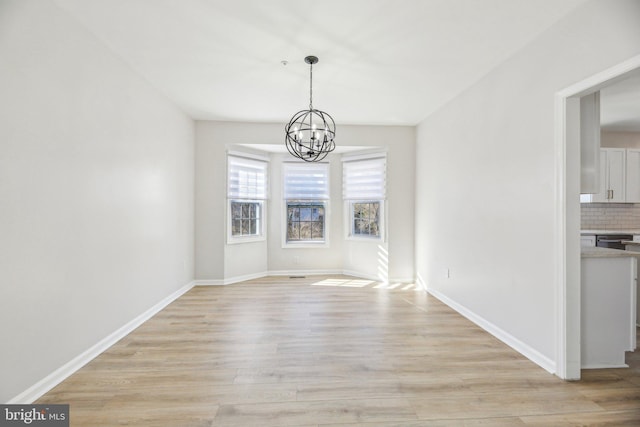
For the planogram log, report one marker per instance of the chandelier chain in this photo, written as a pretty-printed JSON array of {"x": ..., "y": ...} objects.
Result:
[{"x": 311, "y": 87}]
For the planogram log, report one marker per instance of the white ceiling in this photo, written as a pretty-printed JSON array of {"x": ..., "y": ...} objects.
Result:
[{"x": 388, "y": 62}]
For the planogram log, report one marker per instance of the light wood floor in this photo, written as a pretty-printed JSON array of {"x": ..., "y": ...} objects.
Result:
[{"x": 330, "y": 352}]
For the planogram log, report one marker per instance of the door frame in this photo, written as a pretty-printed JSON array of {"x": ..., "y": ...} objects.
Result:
[{"x": 567, "y": 215}]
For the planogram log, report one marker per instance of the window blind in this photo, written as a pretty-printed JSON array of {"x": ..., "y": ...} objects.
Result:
[
  {"x": 247, "y": 178},
  {"x": 364, "y": 179},
  {"x": 306, "y": 181}
]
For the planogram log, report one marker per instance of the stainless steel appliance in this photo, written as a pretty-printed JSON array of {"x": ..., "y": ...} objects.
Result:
[{"x": 612, "y": 241}]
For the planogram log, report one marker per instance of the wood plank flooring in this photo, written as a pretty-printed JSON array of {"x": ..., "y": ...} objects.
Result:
[{"x": 330, "y": 351}]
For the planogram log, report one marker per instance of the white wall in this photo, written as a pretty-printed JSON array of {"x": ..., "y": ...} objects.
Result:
[
  {"x": 96, "y": 193},
  {"x": 217, "y": 261},
  {"x": 211, "y": 169},
  {"x": 293, "y": 260},
  {"x": 620, "y": 139},
  {"x": 486, "y": 187}
]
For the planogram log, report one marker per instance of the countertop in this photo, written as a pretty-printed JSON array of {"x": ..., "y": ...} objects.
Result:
[
  {"x": 594, "y": 232},
  {"x": 597, "y": 252}
]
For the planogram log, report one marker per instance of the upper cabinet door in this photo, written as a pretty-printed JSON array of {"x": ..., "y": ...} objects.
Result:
[
  {"x": 633, "y": 176},
  {"x": 603, "y": 183},
  {"x": 616, "y": 163},
  {"x": 612, "y": 182},
  {"x": 590, "y": 179}
]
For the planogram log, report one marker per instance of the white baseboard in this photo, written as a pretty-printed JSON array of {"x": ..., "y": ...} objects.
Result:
[
  {"x": 56, "y": 377},
  {"x": 236, "y": 279},
  {"x": 209, "y": 282},
  {"x": 522, "y": 348},
  {"x": 229, "y": 280},
  {"x": 361, "y": 275},
  {"x": 402, "y": 280},
  {"x": 303, "y": 272},
  {"x": 368, "y": 276},
  {"x": 602, "y": 366}
]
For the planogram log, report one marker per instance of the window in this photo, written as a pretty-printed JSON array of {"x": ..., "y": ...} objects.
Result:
[
  {"x": 366, "y": 219},
  {"x": 305, "y": 221},
  {"x": 246, "y": 192},
  {"x": 306, "y": 194},
  {"x": 245, "y": 218},
  {"x": 364, "y": 192}
]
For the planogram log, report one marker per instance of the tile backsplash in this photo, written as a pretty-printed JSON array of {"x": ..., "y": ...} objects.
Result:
[{"x": 610, "y": 216}]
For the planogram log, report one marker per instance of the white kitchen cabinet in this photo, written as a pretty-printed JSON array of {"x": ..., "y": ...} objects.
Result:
[
  {"x": 589, "y": 142},
  {"x": 608, "y": 310},
  {"x": 632, "y": 190},
  {"x": 588, "y": 241},
  {"x": 612, "y": 177}
]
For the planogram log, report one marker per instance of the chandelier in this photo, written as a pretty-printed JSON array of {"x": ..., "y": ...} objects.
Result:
[{"x": 309, "y": 134}]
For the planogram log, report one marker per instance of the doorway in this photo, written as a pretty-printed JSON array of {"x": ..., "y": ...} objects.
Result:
[{"x": 567, "y": 232}]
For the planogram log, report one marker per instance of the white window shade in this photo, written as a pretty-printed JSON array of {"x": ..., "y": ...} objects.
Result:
[
  {"x": 306, "y": 181},
  {"x": 247, "y": 178},
  {"x": 364, "y": 179}
]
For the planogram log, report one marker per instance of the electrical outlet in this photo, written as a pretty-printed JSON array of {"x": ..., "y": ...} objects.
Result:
[{"x": 296, "y": 260}]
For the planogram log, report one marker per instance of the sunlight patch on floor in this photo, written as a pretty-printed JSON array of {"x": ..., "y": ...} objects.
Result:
[
  {"x": 361, "y": 283},
  {"x": 346, "y": 283}
]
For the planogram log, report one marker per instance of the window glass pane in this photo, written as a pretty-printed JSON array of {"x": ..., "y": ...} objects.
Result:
[
  {"x": 366, "y": 219},
  {"x": 374, "y": 231},
  {"x": 305, "y": 230},
  {"x": 245, "y": 217},
  {"x": 294, "y": 214},
  {"x": 305, "y": 214},
  {"x": 305, "y": 221},
  {"x": 236, "y": 210},
  {"x": 236, "y": 227},
  {"x": 317, "y": 230},
  {"x": 293, "y": 231}
]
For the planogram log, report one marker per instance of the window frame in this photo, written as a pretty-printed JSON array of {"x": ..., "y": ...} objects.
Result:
[
  {"x": 349, "y": 218},
  {"x": 305, "y": 243},
  {"x": 286, "y": 202},
  {"x": 261, "y": 224}
]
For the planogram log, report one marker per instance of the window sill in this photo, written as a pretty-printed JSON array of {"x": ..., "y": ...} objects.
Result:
[
  {"x": 240, "y": 240},
  {"x": 365, "y": 239},
  {"x": 305, "y": 245}
]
